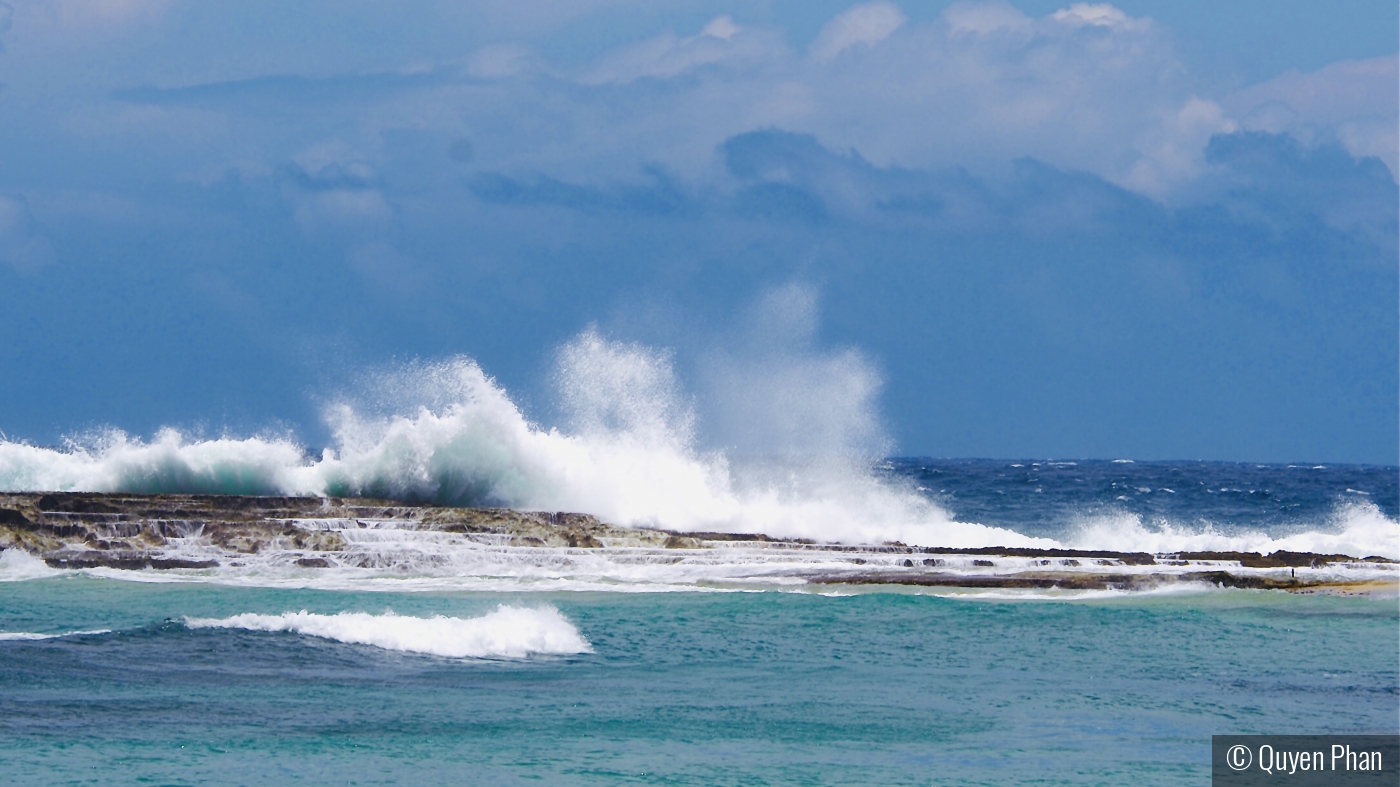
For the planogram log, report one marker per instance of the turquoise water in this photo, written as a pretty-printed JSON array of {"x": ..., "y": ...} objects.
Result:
[{"x": 680, "y": 688}]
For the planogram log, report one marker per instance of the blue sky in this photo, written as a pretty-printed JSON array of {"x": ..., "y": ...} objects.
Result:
[{"x": 1152, "y": 230}]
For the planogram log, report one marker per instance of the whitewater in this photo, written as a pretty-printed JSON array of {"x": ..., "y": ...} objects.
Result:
[
  {"x": 509, "y": 632},
  {"x": 629, "y": 453}
]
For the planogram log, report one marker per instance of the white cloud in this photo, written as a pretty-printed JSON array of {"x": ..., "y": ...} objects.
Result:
[
  {"x": 985, "y": 18},
  {"x": 1354, "y": 102},
  {"x": 981, "y": 86},
  {"x": 1173, "y": 151},
  {"x": 720, "y": 27},
  {"x": 866, "y": 25},
  {"x": 1099, "y": 15},
  {"x": 1088, "y": 87},
  {"x": 667, "y": 55}
]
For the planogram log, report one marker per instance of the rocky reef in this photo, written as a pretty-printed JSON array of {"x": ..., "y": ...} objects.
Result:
[
  {"x": 84, "y": 530},
  {"x": 162, "y": 532}
]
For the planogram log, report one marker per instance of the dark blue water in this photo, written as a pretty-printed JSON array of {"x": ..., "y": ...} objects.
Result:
[{"x": 1046, "y": 498}]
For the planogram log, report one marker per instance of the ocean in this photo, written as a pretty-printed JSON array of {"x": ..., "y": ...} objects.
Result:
[
  {"x": 902, "y": 621},
  {"x": 422, "y": 677},
  {"x": 695, "y": 688}
]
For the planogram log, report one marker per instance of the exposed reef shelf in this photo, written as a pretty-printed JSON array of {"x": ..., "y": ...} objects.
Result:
[
  {"x": 306, "y": 534},
  {"x": 1032, "y": 580}
]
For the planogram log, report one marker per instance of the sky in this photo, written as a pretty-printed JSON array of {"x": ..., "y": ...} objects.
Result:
[{"x": 1022, "y": 229}]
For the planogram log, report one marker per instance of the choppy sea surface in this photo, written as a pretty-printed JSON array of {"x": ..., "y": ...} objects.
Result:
[
  {"x": 150, "y": 677},
  {"x": 1169, "y": 506}
]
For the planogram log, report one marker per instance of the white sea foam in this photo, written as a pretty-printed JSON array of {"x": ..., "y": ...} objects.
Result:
[
  {"x": 446, "y": 432},
  {"x": 111, "y": 461},
  {"x": 17, "y": 565},
  {"x": 1061, "y": 595},
  {"x": 509, "y": 632},
  {"x": 1356, "y": 528},
  {"x": 628, "y": 453},
  {"x": 28, "y": 635}
]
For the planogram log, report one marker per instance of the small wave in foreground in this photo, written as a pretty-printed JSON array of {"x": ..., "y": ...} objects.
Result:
[
  {"x": 509, "y": 632},
  {"x": 30, "y": 635}
]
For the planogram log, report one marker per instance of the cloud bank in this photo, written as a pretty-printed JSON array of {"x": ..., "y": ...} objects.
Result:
[{"x": 1051, "y": 236}]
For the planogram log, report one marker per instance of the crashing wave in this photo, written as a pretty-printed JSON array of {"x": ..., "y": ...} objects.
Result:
[
  {"x": 1359, "y": 529},
  {"x": 452, "y": 436},
  {"x": 446, "y": 433}
]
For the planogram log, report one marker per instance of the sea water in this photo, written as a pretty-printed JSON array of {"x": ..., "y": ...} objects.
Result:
[
  {"x": 309, "y": 677},
  {"x": 148, "y": 682},
  {"x": 539, "y": 667}
]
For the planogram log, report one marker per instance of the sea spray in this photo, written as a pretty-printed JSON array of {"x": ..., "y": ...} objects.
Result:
[
  {"x": 446, "y": 433},
  {"x": 629, "y": 452},
  {"x": 772, "y": 391},
  {"x": 112, "y": 461},
  {"x": 1359, "y": 529},
  {"x": 16, "y": 565}
]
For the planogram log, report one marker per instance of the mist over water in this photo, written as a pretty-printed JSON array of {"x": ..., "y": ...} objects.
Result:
[
  {"x": 784, "y": 439},
  {"x": 771, "y": 391}
]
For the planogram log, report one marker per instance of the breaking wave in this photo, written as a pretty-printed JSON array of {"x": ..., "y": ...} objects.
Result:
[
  {"x": 447, "y": 433},
  {"x": 509, "y": 632},
  {"x": 801, "y": 425},
  {"x": 17, "y": 565},
  {"x": 1357, "y": 529}
]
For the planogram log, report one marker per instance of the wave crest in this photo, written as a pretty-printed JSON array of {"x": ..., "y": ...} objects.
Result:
[
  {"x": 1356, "y": 528},
  {"x": 446, "y": 433},
  {"x": 509, "y": 632}
]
